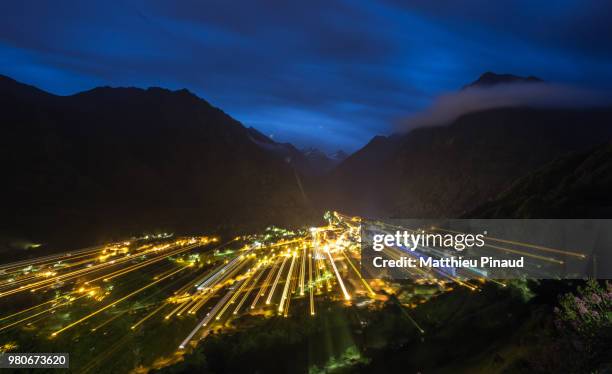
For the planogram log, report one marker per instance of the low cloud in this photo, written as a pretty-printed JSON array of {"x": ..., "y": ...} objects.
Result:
[{"x": 448, "y": 107}]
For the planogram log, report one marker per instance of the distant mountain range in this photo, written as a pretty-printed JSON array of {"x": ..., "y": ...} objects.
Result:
[
  {"x": 451, "y": 169},
  {"x": 309, "y": 161},
  {"x": 322, "y": 162},
  {"x": 111, "y": 162}
]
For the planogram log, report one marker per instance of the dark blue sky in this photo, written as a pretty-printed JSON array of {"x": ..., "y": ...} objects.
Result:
[{"x": 322, "y": 73}]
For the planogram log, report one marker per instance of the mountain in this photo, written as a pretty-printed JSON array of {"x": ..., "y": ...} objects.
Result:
[
  {"x": 309, "y": 162},
  {"x": 322, "y": 162},
  {"x": 111, "y": 162},
  {"x": 447, "y": 171},
  {"x": 490, "y": 79},
  {"x": 286, "y": 152},
  {"x": 339, "y": 156},
  {"x": 576, "y": 185}
]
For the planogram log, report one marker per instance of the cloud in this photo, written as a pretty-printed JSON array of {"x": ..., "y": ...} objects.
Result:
[
  {"x": 446, "y": 108},
  {"x": 582, "y": 26}
]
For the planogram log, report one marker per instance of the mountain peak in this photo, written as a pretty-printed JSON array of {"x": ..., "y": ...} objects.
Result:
[
  {"x": 258, "y": 136},
  {"x": 339, "y": 155},
  {"x": 489, "y": 79},
  {"x": 11, "y": 86},
  {"x": 312, "y": 152},
  {"x": 137, "y": 91}
]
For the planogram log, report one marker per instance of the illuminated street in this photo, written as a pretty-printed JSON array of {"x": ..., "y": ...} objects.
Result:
[
  {"x": 176, "y": 291},
  {"x": 183, "y": 285}
]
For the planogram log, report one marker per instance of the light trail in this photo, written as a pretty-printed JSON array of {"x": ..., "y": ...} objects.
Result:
[
  {"x": 340, "y": 282},
  {"x": 235, "y": 294},
  {"x": 173, "y": 311},
  {"x": 48, "y": 259},
  {"x": 74, "y": 274},
  {"x": 278, "y": 275},
  {"x": 437, "y": 271},
  {"x": 129, "y": 269},
  {"x": 326, "y": 272},
  {"x": 543, "y": 258},
  {"x": 534, "y": 246},
  {"x": 220, "y": 287},
  {"x": 287, "y": 284},
  {"x": 41, "y": 313},
  {"x": 204, "y": 321},
  {"x": 37, "y": 306},
  {"x": 204, "y": 283},
  {"x": 310, "y": 284},
  {"x": 265, "y": 284},
  {"x": 183, "y": 308},
  {"x": 303, "y": 271},
  {"x": 367, "y": 286},
  {"x": 36, "y": 275},
  {"x": 114, "y": 303},
  {"x": 202, "y": 300},
  {"x": 148, "y": 316},
  {"x": 315, "y": 246},
  {"x": 214, "y": 287},
  {"x": 247, "y": 293}
]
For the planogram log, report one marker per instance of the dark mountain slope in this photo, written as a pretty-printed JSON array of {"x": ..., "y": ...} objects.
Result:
[
  {"x": 449, "y": 170},
  {"x": 116, "y": 161},
  {"x": 285, "y": 152},
  {"x": 309, "y": 162},
  {"x": 575, "y": 186},
  {"x": 320, "y": 162}
]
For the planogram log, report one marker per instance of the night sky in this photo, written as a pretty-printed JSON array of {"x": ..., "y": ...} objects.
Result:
[{"x": 321, "y": 73}]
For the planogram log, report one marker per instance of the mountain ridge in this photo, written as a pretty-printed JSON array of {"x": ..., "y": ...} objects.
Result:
[
  {"x": 446, "y": 171},
  {"x": 490, "y": 79},
  {"x": 113, "y": 162}
]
